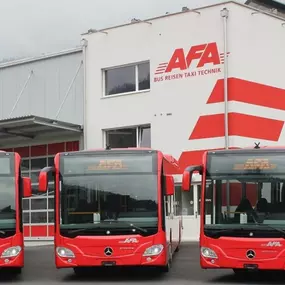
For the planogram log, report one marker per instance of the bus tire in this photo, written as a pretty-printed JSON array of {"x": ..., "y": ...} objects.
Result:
[{"x": 167, "y": 267}]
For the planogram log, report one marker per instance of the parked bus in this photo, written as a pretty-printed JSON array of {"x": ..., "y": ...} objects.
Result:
[
  {"x": 14, "y": 188},
  {"x": 114, "y": 208},
  {"x": 242, "y": 208}
]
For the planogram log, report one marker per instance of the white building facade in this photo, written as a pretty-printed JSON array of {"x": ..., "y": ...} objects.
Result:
[
  {"x": 160, "y": 83},
  {"x": 157, "y": 83}
]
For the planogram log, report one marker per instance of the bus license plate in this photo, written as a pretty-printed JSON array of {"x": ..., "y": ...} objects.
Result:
[
  {"x": 250, "y": 266},
  {"x": 108, "y": 263}
]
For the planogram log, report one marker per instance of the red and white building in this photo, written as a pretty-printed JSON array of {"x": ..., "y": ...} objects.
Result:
[{"x": 157, "y": 83}]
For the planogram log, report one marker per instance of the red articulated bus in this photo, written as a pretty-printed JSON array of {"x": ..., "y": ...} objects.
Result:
[
  {"x": 13, "y": 188},
  {"x": 111, "y": 208},
  {"x": 242, "y": 209}
]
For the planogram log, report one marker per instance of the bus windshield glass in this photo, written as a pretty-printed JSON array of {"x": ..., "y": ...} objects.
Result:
[
  {"x": 99, "y": 190},
  {"x": 7, "y": 193},
  {"x": 245, "y": 189}
]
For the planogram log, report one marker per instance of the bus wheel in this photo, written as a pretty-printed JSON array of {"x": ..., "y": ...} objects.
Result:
[{"x": 167, "y": 267}]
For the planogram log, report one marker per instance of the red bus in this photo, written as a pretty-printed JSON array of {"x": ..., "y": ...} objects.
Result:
[
  {"x": 111, "y": 208},
  {"x": 242, "y": 208},
  {"x": 15, "y": 187}
]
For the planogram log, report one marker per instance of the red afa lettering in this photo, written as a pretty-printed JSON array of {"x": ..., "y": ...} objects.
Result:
[{"x": 205, "y": 53}]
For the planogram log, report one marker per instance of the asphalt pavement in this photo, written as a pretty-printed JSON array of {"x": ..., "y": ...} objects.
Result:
[{"x": 40, "y": 269}]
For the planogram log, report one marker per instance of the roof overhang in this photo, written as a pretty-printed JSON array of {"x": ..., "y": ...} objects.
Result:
[{"x": 29, "y": 128}]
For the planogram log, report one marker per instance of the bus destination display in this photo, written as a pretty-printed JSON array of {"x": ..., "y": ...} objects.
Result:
[
  {"x": 109, "y": 163},
  {"x": 263, "y": 163}
]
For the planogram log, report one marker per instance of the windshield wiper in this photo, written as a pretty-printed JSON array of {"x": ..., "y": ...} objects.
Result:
[
  {"x": 106, "y": 222},
  {"x": 125, "y": 223},
  {"x": 82, "y": 230}
]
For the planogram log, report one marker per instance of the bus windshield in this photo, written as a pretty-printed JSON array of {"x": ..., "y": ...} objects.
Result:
[
  {"x": 245, "y": 189},
  {"x": 98, "y": 189},
  {"x": 7, "y": 194}
]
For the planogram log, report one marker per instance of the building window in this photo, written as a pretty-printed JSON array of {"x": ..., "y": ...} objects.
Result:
[
  {"x": 129, "y": 137},
  {"x": 127, "y": 79}
]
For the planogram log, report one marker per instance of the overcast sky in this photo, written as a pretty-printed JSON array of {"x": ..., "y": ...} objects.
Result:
[{"x": 33, "y": 27}]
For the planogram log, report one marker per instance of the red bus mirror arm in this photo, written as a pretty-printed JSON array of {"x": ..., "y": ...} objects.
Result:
[
  {"x": 43, "y": 178},
  {"x": 27, "y": 187},
  {"x": 187, "y": 176}
]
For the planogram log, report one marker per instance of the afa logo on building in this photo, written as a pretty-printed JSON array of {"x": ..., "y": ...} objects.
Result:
[{"x": 191, "y": 63}]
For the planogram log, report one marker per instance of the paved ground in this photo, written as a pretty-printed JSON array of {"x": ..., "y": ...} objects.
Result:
[{"x": 40, "y": 269}]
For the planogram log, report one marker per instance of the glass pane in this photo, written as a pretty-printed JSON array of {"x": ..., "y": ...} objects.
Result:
[
  {"x": 50, "y": 161},
  {"x": 120, "y": 80},
  {"x": 35, "y": 176},
  {"x": 39, "y": 204},
  {"x": 144, "y": 76},
  {"x": 50, "y": 217},
  {"x": 122, "y": 138},
  {"x": 25, "y": 165},
  {"x": 26, "y": 218},
  {"x": 50, "y": 203},
  {"x": 178, "y": 200},
  {"x": 38, "y": 163},
  {"x": 145, "y": 137},
  {"x": 188, "y": 202},
  {"x": 50, "y": 189},
  {"x": 50, "y": 177},
  {"x": 25, "y": 204},
  {"x": 38, "y": 217}
]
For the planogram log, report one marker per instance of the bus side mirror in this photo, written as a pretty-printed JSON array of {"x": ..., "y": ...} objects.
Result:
[
  {"x": 43, "y": 178},
  {"x": 43, "y": 181},
  {"x": 186, "y": 180},
  {"x": 169, "y": 185},
  {"x": 187, "y": 176},
  {"x": 27, "y": 187}
]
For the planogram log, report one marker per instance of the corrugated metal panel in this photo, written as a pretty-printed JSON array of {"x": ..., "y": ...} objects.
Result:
[{"x": 46, "y": 89}]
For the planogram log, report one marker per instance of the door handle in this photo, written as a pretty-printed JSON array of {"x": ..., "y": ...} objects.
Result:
[{"x": 196, "y": 215}]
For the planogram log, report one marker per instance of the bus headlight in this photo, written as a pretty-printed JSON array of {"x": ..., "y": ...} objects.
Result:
[
  {"x": 208, "y": 253},
  {"x": 153, "y": 250},
  {"x": 11, "y": 251},
  {"x": 64, "y": 252}
]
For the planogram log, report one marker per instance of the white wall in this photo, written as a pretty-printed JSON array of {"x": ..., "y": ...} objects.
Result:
[
  {"x": 256, "y": 44},
  {"x": 156, "y": 42}
]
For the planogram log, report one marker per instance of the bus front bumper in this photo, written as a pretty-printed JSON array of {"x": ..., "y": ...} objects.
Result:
[
  {"x": 242, "y": 257},
  {"x": 134, "y": 259}
]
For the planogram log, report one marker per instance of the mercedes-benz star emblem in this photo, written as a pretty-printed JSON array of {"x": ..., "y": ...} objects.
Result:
[
  {"x": 250, "y": 254},
  {"x": 108, "y": 251}
]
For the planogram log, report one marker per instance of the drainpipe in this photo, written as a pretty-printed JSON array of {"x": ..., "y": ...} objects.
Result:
[
  {"x": 84, "y": 45},
  {"x": 225, "y": 15}
]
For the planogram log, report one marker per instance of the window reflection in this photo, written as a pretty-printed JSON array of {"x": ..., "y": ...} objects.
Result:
[
  {"x": 120, "y": 80},
  {"x": 120, "y": 197},
  {"x": 144, "y": 76}
]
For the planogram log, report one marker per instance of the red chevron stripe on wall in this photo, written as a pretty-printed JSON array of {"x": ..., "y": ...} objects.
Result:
[{"x": 242, "y": 125}]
